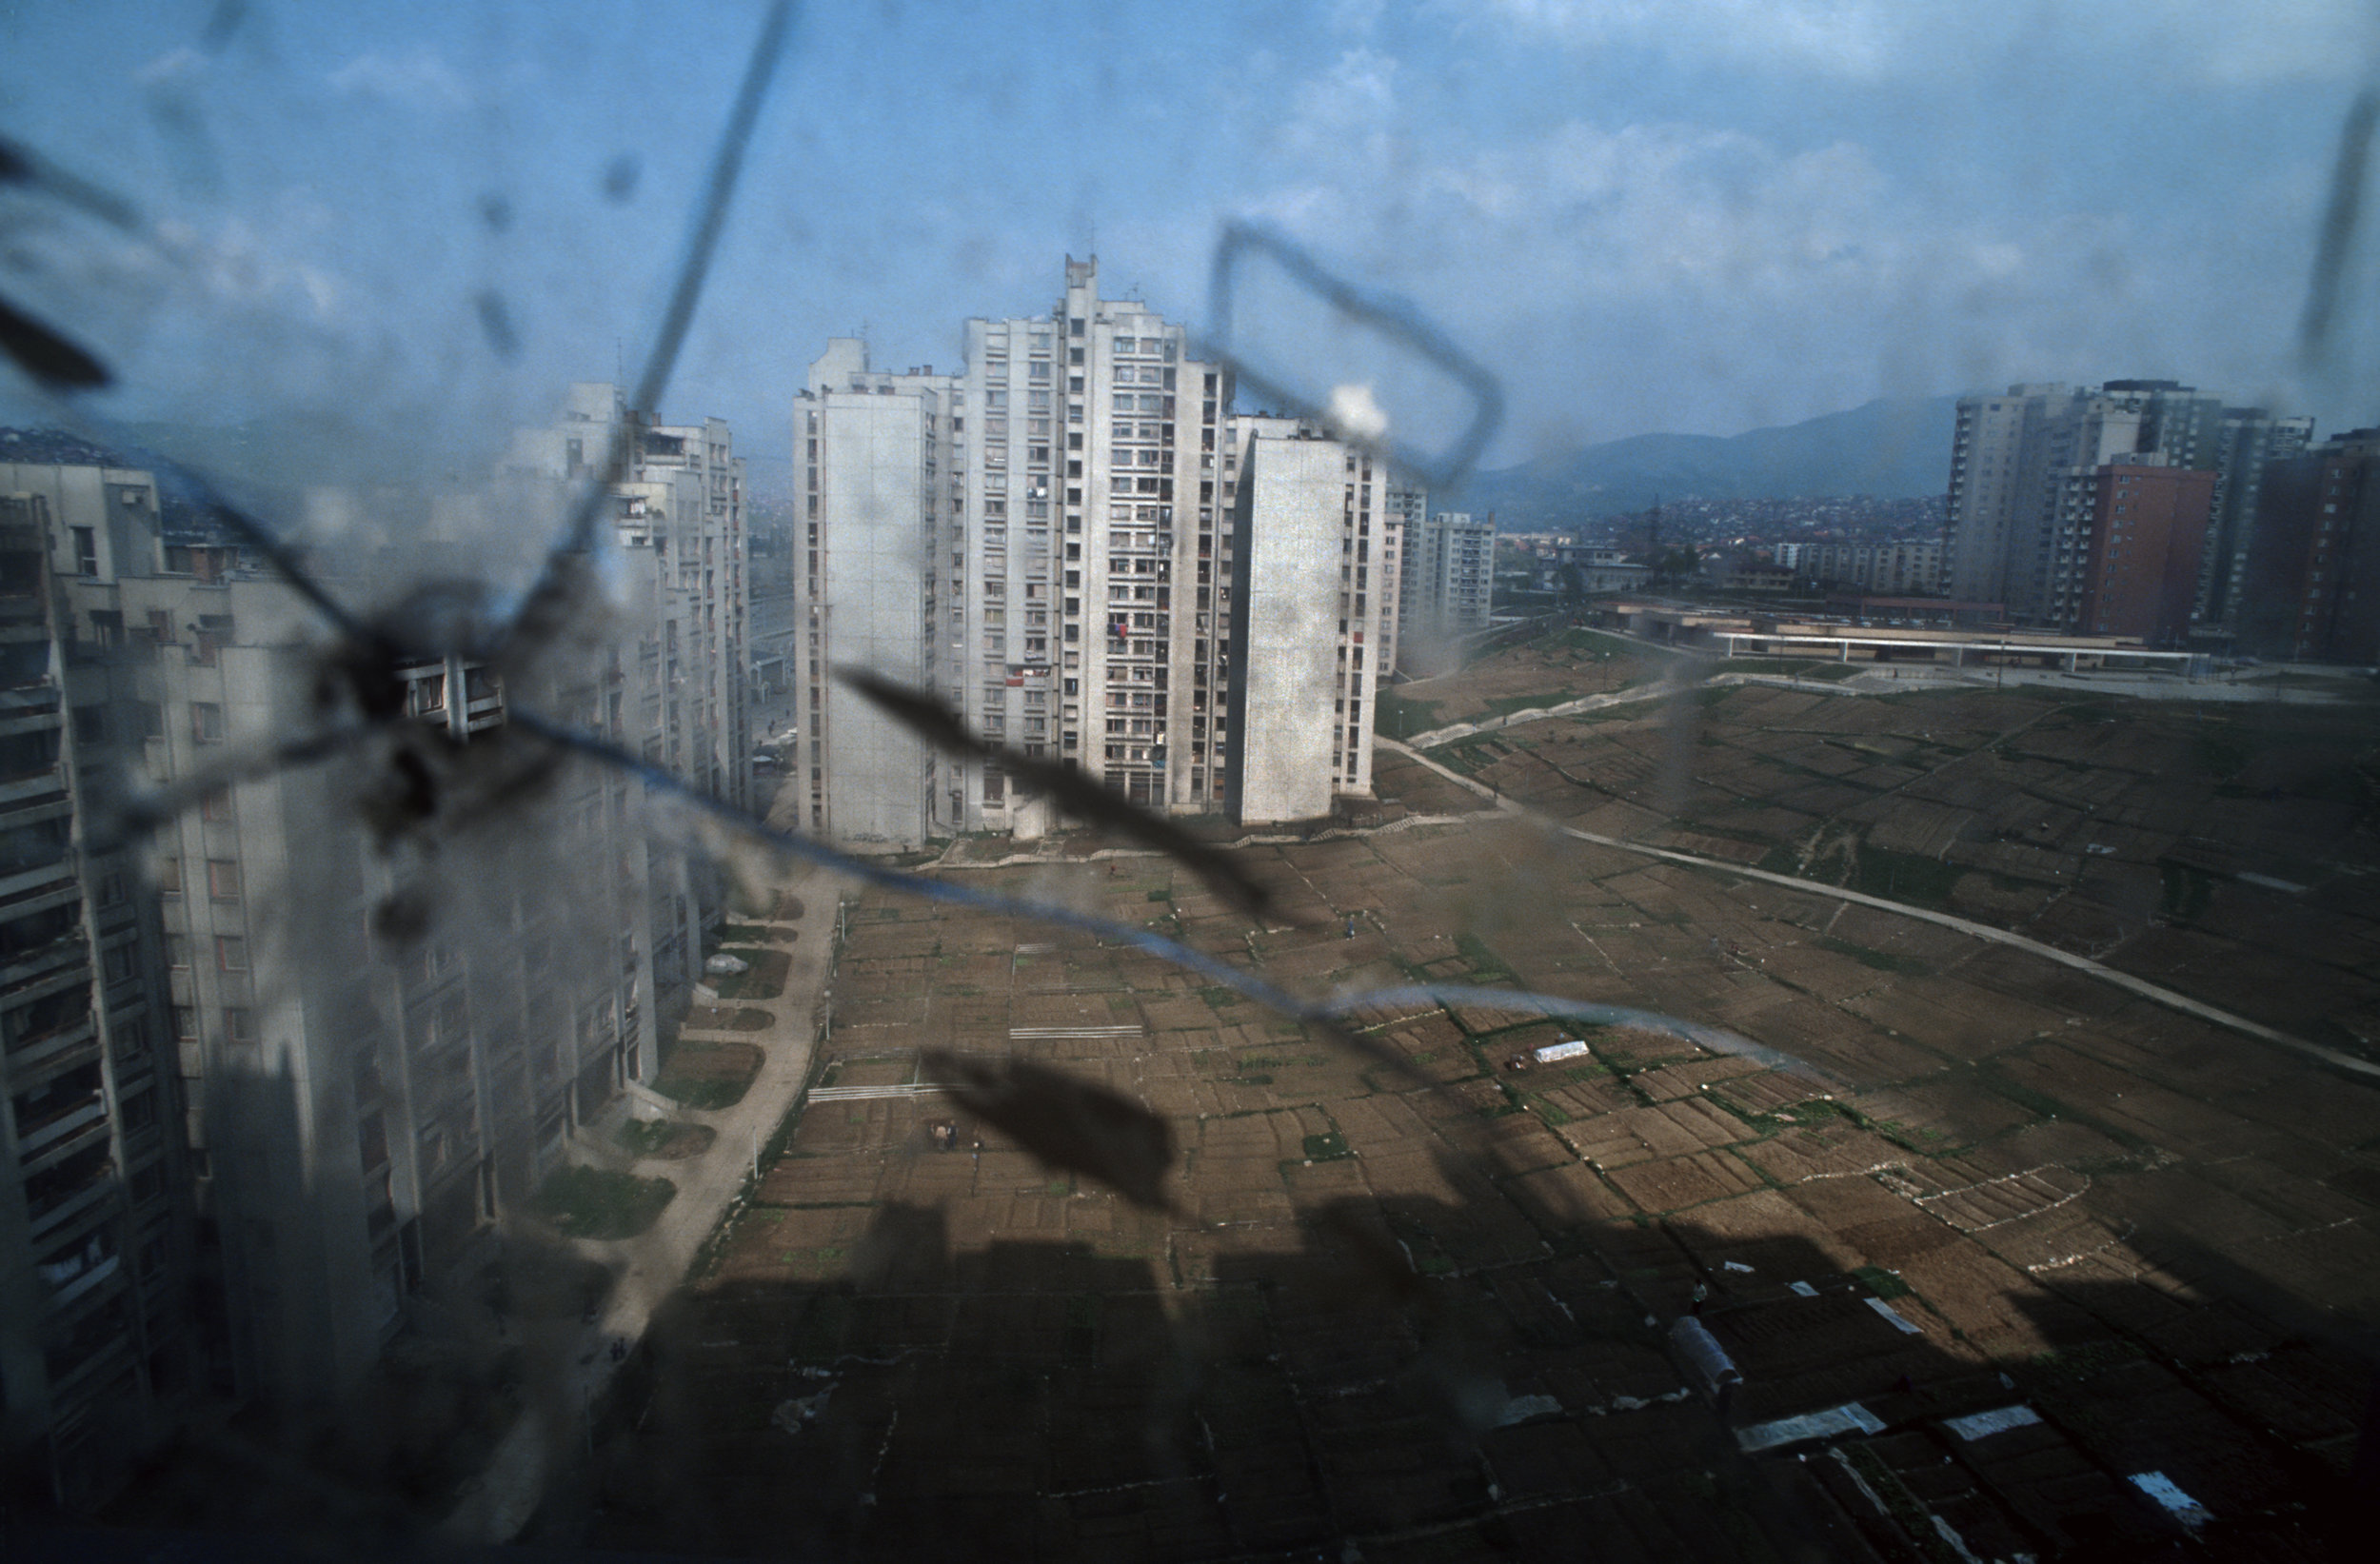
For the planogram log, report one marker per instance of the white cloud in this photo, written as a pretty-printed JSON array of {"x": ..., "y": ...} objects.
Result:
[
  {"x": 1693, "y": 276},
  {"x": 2241, "y": 43},
  {"x": 420, "y": 81},
  {"x": 1344, "y": 108},
  {"x": 172, "y": 65}
]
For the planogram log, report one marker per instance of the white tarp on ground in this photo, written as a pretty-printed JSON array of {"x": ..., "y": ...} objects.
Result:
[
  {"x": 1896, "y": 1317},
  {"x": 1982, "y": 1425},
  {"x": 1554, "y": 1051},
  {"x": 1851, "y": 1417},
  {"x": 2179, "y": 1505}
]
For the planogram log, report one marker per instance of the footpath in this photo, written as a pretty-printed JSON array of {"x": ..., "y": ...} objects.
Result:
[{"x": 648, "y": 1267}]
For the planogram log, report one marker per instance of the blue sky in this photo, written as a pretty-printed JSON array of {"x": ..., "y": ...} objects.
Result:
[{"x": 1702, "y": 215}]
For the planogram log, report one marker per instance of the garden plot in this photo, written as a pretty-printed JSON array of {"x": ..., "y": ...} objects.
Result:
[{"x": 1482, "y": 1187}]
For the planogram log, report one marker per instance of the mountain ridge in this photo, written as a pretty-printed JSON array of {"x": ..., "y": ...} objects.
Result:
[{"x": 1891, "y": 448}]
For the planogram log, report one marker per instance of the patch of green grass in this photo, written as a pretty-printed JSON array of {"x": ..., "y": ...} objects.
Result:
[
  {"x": 1396, "y": 716},
  {"x": 645, "y": 1137},
  {"x": 597, "y": 1203},
  {"x": 764, "y": 981},
  {"x": 1219, "y": 997},
  {"x": 1250, "y": 1079},
  {"x": 1327, "y": 1147},
  {"x": 1484, "y": 962},
  {"x": 705, "y": 1090},
  {"x": 1925, "y": 1142},
  {"x": 703, "y": 1095},
  {"x": 1907, "y": 966},
  {"x": 1883, "y": 1284},
  {"x": 1904, "y": 877},
  {"x": 657, "y": 1137},
  {"x": 1595, "y": 640},
  {"x": 1162, "y": 893},
  {"x": 742, "y": 933}
]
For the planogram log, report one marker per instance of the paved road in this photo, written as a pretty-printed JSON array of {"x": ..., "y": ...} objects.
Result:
[
  {"x": 652, "y": 1264},
  {"x": 2126, "y": 981}
]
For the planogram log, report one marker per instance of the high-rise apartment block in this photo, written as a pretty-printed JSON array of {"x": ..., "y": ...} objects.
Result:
[
  {"x": 1046, "y": 540},
  {"x": 266, "y": 1090},
  {"x": 2028, "y": 469},
  {"x": 380, "y": 1057},
  {"x": 97, "y": 1236},
  {"x": 2311, "y": 586},
  {"x": 1301, "y": 635},
  {"x": 677, "y": 503},
  {"x": 2251, "y": 441},
  {"x": 1447, "y": 589},
  {"x": 2137, "y": 559}
]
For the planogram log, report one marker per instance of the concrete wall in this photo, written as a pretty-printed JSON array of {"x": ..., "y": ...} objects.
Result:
[
  {"x": 876, "y": 538},
  {"x": 1288, "y": 525}
]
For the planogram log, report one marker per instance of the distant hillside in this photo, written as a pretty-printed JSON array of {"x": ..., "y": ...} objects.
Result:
[{"x": 1889, "y": 451}]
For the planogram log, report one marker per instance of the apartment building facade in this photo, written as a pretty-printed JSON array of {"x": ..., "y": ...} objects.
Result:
[
  {"x": 97, "y": 1233},
  {"x": 1447, "y": 588},
  {"x": 1043, "y": 539},
  {"x": 2026, "y": 474},
  {"x": 384, "y": 987},
  {"x": 2251, "y": 440},
  {"x": 1300, "y": 632},
  {"x": 2310, "y": 588},
  {"x": 1911, "y": 568},
  {"x": 680, "y": 495},
  {"x": 2138, "y": 560}
]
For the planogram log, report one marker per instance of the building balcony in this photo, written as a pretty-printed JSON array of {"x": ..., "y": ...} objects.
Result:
[
  {"x": 79, "y": 1279},
  {"x": 24, "y": 966},
  {"x": 62, "y": 1124},
  {"x": 37, "y": 782},
  {"x": 48, "y": 1047},
  {"x": 65, "y": 1206}
]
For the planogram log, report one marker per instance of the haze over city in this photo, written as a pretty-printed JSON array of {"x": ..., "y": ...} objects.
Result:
[
  {"x": 1699, "y": 219},
  {"x": 1376, "y": 779}
]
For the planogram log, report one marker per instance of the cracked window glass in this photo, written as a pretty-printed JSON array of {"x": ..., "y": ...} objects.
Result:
[{"x": 1364, "y": 779}]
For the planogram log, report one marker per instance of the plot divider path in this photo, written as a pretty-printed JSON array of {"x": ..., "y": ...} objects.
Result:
[{"x": 651, "y": 1265}]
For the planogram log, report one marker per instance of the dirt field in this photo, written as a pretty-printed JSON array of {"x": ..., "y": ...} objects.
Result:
[
  {"x": 1543, "y": 672},
  {"x": 2225, "y": 852},
  {"x": 1395, "y": 1295}
]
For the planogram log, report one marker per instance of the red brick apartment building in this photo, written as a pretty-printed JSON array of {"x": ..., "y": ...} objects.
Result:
[{"x": 2147, "y": 524}]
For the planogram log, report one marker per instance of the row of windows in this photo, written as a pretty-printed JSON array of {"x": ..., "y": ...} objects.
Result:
[
  {"x": 239, "y": 1023},
  {"x": 230, "y": 952}
]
